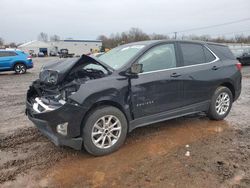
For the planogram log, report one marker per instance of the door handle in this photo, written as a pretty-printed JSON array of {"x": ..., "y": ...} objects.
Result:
[
  {"x": 215, "y": 68},
  {"x": 175, "y": 75}
]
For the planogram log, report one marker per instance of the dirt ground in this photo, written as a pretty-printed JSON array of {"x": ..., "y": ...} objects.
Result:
[{"x": 184, "y": 152}]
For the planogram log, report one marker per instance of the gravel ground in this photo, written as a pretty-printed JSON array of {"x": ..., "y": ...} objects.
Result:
[{"x": 184, "y": 152}]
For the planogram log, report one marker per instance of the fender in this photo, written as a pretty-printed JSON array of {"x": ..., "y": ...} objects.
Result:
[{"x": 96, "y": 91}]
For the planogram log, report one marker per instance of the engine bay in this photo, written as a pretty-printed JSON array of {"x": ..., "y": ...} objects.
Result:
[{"x": 46, "y": 94}]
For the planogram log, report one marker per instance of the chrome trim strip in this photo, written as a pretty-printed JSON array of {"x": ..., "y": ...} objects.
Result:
[{"x": 216, "y": 59}]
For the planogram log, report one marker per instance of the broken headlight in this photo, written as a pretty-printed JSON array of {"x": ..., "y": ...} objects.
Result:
[{"x": 48, "y": 76}]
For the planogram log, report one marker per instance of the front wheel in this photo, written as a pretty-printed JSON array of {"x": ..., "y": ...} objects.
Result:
[
  {"x": 105, "y": 130},
  {"x": 20, "y": 68},
  {"x": 221, "y": 103}
]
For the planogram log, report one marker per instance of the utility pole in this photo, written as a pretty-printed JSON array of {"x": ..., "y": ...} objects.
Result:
[{"x": 175, "y": 35}]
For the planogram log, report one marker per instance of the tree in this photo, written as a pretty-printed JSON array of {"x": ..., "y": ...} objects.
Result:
[
  {"x": 1, "y": 41},
  {"x": 54, "y": 38},
  {"x": 12, "y": 45},
  {"x": 43, "y": 37},
  {"x": 158, "y": 37},
  {"x": 136, "y": 34}
]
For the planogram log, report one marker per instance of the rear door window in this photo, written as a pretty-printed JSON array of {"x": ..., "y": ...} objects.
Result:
[{"x": 193, "y": 54}]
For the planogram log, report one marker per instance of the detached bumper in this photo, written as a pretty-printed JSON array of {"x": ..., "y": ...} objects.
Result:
[{"x": 47, "y": 122}]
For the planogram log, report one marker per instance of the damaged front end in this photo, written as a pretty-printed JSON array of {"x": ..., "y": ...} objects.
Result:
[{"x": 49, "y": 105}]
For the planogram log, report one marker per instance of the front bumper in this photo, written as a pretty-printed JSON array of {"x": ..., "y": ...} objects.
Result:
[
  {"x": 47, "y": 130},
  {"x": 47, "y": 122}
]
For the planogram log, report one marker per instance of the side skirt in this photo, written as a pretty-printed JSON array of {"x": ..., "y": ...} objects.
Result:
[{"x": 187, "y": 110}]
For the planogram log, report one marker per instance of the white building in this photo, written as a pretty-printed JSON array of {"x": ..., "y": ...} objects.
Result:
[{"x": 77, "y": 47}]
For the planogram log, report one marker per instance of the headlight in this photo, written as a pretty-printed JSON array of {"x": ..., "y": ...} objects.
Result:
[
  {"x": 53, "y": 77},
  {"x": 48, "y": 76}
]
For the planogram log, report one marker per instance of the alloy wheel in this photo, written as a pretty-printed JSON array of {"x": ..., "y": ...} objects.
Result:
[
  {"x": 20, "y": 69},
  {"x": 222, "y": 103},
  {"x": 106, "y": 131}
]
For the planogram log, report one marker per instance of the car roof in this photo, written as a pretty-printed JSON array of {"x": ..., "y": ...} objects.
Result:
[
  {"x": 152, "y": 42},
  {"x": 10, "y": 50}
]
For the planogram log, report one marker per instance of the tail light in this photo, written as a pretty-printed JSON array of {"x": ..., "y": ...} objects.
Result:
[
  {"x": 239, "y": 66},
  {"x": 29, "y": 57}
]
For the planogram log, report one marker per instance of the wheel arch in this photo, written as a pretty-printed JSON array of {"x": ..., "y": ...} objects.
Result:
[
  {"x": 104, "y": 103},
  {"x": 230, "y": 86},
  {"x": 18, "y": 62}
]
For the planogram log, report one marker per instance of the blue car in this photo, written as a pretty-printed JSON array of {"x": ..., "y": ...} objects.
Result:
[{"x": 15, "y": 60}]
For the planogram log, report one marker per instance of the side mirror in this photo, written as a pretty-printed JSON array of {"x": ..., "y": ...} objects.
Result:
[{"x": 136, "y": 68}]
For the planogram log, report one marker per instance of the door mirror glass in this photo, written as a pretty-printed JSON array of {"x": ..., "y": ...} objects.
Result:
[{"x": 136, "y": 68}]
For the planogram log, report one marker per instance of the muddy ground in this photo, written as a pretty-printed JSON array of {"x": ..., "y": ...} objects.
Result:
[{"x": 153, "y": 156}]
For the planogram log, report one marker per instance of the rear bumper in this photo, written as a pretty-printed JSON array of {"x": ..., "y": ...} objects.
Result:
[{"x": 29, "y": 65}]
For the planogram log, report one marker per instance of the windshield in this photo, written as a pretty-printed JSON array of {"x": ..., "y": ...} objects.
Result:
[{"x": 119, "y": 56}]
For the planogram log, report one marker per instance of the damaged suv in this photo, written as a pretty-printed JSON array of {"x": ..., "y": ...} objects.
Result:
[{"x": 94, "y": 103}]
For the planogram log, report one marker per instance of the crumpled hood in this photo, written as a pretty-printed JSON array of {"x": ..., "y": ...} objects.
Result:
[{"x": 63, "y": 66}]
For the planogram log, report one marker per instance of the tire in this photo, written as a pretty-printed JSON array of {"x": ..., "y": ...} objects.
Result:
[
  {"x": 99, "y": 140},
  {"x": 221, "y": 103},
  {"x": 20, "y": 68}
]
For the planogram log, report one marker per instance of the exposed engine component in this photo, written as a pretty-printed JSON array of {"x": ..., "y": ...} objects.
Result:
[{"x": 53, "y": 87}]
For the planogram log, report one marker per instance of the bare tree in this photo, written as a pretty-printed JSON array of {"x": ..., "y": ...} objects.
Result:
[
  {"x": 135, "y": 34},
  {"x": 1, "y": 41},
  {"x": 158, "y": 37},
  {"x": 43, "y": 37},
  {"x": 12, "y": 45},
  {"x": 54, "y": 38}
]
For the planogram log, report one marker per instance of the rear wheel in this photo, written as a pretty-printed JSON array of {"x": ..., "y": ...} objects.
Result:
[
  {"x": 20, "y": 68},
  {"x": 221, "y": 103},
  {"x": 104, "y": 131}
]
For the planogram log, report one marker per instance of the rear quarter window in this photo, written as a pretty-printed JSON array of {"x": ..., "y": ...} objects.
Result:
[
  {"x": 223, "y": 52},
  {"x": 209, "y": 56}
]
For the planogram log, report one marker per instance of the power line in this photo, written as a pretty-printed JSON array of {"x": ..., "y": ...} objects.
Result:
[
  {"x": 236, "y": 32},
  {"x": 211, "y": 26}
]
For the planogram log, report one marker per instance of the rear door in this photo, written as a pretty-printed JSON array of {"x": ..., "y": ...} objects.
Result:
[
  {"x": 200, "y": 72},
  {"x": 158, "y": 88}
]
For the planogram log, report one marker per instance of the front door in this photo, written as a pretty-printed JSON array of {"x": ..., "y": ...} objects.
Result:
[{"x": 159, "y": 87}]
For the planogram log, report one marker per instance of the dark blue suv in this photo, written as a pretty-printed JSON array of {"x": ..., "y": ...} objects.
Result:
[{"x": 15, "y": 60}]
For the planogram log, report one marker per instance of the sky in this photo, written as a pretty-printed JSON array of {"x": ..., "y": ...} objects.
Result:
[{"x": 23, "y": 20}]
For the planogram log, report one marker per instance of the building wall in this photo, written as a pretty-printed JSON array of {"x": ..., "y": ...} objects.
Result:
[
  {"x": 35, "y": 46},
  {"x": 77, "y": 47}
]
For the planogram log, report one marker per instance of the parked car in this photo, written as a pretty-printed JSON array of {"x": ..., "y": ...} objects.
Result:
[
  {"x": 95, "y": 103},
  {"x": 52, "y": 53},
  {"x": 245, "y": 57},
  {"x": 64, "y": 53},
  {"x": 40, "y": 54},
  {"x": 15, "y": 60},
  {"x": 32, "y": 53}
]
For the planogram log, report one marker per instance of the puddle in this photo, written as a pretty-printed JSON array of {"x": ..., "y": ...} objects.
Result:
[{"x": 142, "y": 144}]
